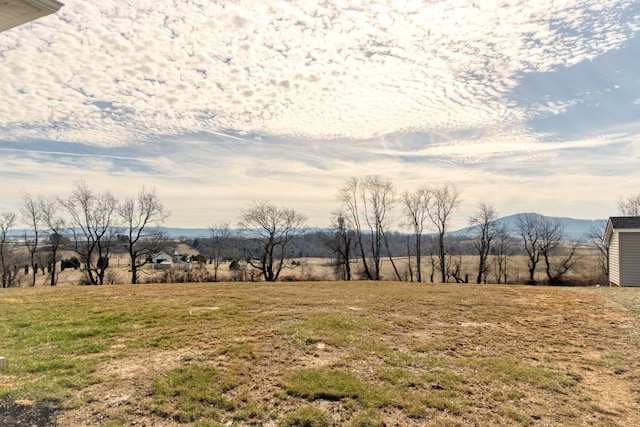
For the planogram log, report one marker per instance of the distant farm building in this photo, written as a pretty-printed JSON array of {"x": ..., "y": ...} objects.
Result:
[
  {"x": 163, "y": 260},
  {"x": 622, "y": 237}
]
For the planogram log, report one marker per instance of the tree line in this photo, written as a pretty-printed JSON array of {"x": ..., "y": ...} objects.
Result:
[
  {"x": 364, "y": 219},
  {"x": 89, "y": 223},
  {"x": 266, "y": 239},
  {"x": 362, "y": 238}
]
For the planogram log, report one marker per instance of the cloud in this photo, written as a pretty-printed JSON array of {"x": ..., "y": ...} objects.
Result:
[
  {"x": 107, "y": 73},
  {"x": 219, "y": 103},
  {"x": 206, "y": 178}
]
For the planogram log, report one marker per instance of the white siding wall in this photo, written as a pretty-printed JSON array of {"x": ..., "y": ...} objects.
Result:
[
  {"x": 629, "y": 255},
  {"x": 614, "y": 263}
]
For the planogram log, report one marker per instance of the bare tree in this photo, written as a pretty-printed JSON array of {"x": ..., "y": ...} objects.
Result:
[
  {"x": 349, "y": 196},
  {"x": 551, "y": 234},
  {"x": 341, "y": 245},
  {"x": 455, "y": 269},
  {"x": 140, "y": 217},
  {"x": 31, "y": 217},
  {"x": 528, "y": 228},
  {"x": 273, "y": 228},
  {"x": 595, "y": 236},
  {"x": 7, "y": 222},
  {"x": 220, "y": 235},
  {"x": 93, "y": 217},
  {"x": 409, "y": 269},
  {"x": 565, "y": 259},
  {"x": 558, "y": 253},
  {"x": 503, "y": 247},
  {"x": 486, "y": 229},
  {"x": 629, "y": 206},
  {"x": 443, "y": 201},
  {"x": 545, "y": 238},
  {"x": 366, "y": 203},
  {"x": 378, "y": 197},
  {"x": 415, "y": 207},
  {"x": 433, "y": 259},
  {"x": 54, "y": 223}
]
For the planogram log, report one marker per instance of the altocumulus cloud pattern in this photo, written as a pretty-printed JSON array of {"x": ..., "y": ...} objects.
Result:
[
  {"x": 530, "y": 105},
  {"x": 107, "y": 72}
]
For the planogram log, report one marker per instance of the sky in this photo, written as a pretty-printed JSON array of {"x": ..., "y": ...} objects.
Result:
[{"x": 528, "y": 106}]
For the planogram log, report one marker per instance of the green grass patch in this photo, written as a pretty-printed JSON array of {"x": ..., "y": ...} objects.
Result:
[
  {"x": 45, "y": 377},
  {"x": 193, "y": 392},
  {"x": 445, "y": 380},
  {"x": 400, "y": 377},
  {"x": 562, "y": 341},
  {"x": 250, "y": 412},
  {"x": 326, "y": 384},
  {"x": 505, "y": 395},
  {"x": 240, "y": 350},
  {"x": 56, "y": 351},
  {"x": 306, "y": 416},
  {"x": 513, "y": 372},
  {"x": 514, "y": 415},
  {"x": 445, "y": 401},
  {"x": 337, "y": 330}
]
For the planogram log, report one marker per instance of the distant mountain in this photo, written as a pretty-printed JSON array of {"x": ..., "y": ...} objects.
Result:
[
  {"x": 575, "y": 229},
  {"x": 191, "y": 233},
  {"x": 172, "y": 232}
]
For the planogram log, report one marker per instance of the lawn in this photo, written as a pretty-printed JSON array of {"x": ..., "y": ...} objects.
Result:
[{"x": 324, "y": 353}]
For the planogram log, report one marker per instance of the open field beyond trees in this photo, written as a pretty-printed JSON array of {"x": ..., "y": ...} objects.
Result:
[
  {"x": 324, "y": 353},
  {"x": 585, "y": 272}
]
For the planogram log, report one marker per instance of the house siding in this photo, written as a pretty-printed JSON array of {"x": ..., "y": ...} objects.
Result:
[
  {"x": 614, "y": 263},
  {"x": 629, "y": 259}
]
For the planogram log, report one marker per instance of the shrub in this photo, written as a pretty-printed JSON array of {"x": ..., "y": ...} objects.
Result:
[{"x": 72, "y": 262}]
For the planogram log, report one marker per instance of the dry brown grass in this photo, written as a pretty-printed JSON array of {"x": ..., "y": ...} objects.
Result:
[
  {"x": 314, "y": 269},
  {"x": 360, "y": 353}
]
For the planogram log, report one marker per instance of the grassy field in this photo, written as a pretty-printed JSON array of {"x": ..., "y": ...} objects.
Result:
[
  {"x": 314, "y": 269},
  {"x": 325, "y": 353}
]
